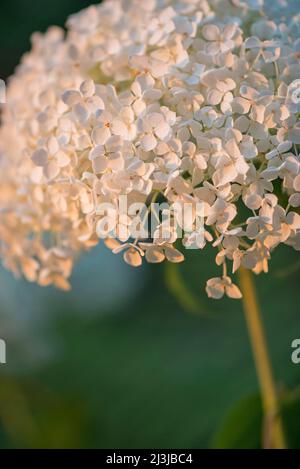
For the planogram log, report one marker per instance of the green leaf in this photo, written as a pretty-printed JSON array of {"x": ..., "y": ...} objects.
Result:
[
  {"x": 182, "y": 293},
  {"x": 291, "y": 412},
  {"x": 241, "y": 428}
]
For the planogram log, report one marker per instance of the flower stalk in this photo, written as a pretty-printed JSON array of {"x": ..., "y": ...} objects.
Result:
[{"x": 270, "y": 400}]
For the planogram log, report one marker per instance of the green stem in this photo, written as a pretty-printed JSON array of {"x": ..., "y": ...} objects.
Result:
[{"x": 262, "y": 361}]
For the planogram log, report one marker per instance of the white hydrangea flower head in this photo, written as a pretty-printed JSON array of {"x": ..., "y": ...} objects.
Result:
[{"x": 180, "y": 100}]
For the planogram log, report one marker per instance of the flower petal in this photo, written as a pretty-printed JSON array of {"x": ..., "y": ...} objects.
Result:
[
  {"x": 133, "y": 257},
  {"x": 148, "y": 142}
]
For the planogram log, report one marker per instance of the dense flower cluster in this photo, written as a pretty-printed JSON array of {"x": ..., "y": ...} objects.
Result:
[{"x": 185, "y": 101}]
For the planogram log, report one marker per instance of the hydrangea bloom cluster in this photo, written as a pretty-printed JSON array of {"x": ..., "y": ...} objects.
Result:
[{"x": 186, "y": 100}]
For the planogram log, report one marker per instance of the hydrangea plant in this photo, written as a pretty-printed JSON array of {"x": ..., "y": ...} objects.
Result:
[{"x": 183, "y": 101}]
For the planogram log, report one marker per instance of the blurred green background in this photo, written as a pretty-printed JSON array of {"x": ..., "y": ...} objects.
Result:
[{"x": 136, "y": 358}]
